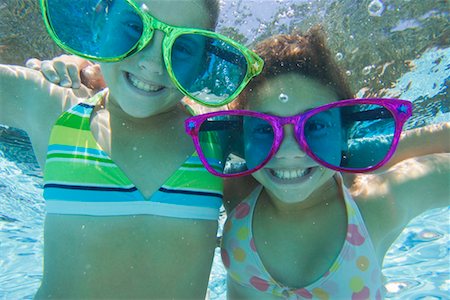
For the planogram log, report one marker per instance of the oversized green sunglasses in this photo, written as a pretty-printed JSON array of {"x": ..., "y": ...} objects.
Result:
[{"x": 205, "y": 66}]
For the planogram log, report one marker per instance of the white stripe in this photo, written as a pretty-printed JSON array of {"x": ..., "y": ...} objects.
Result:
[
  {"x": 131, "y": 208},
  {"x": 200, "y": 168},
  {"x": 84, "y": 161}
]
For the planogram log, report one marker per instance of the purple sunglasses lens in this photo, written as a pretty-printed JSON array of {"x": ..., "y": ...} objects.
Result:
[
  {"x": 235, "y": 144},
  {"x": 350, "y": 137}
]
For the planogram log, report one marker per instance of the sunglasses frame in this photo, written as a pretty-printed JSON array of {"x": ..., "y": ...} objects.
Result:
[
  {"x": 401, "y": 111},
  {"x": 171, "y": 33}
]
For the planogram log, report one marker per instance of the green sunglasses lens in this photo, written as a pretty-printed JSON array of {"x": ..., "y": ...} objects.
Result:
[
  {"x": 209, "y": 69},
  {"x": 206, "y": 67},
  {"x": 103, "y": 29}
]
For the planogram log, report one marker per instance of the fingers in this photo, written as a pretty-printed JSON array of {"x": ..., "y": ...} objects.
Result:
[
  {"x": 52, "y": 70},
  {"x": 74, "y": 75},
  {"x": 62, "y": 70},
  {"x": 33, "y": 63}
]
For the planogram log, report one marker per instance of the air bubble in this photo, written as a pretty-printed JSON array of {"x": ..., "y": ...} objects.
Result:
[
  {"x": 283, "y": 98},
  {"x": 366, "y": 70},
  {"x": 339, "y": 56},
  {"x": 376, "y": 8}
]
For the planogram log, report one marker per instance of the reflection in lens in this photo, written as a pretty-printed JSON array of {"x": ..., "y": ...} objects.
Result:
[
  {"x": 97, "y": 28},
  {"x": 370, "y": 134},
  {"x": 223, "y": 68},
  {"x": 188, "y": 58},
  {"x": 259, "y": 137},
  {"x": 234, "y": 144},
  {"x": 356, "y": 136},
  {"x": 323, "y": 133}
]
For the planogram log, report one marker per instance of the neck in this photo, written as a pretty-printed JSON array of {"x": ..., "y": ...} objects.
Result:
[{"x": 172, "y": 117}]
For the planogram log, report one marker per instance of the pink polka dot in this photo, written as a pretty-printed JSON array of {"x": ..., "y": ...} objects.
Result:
[
  {"x": 259, "y": 284},
  {"x": 354, "y": 237},
  {"x": 252, "y": 244},
  {"x": 225, "y": 258},
  {"x": 304, "y": 293},
  {"x": 242, "y": 210},
  {"x": 361, "y": 295}
]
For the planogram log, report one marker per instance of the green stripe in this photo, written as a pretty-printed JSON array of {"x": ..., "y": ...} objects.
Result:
[
  {"x": 73, "y": 137},
  {"x": 78, "y": 156},
  {"x": 203, "y": 180},
  {"x": 77, "y": 172},
  {"x": 74, "y": 121}
]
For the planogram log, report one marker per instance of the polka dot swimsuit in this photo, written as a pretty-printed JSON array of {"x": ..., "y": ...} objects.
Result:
[{"x": 354, "y": 275}]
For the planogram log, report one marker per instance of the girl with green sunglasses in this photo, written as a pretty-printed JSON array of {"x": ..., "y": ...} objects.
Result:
[
  {"x": 205, "y": 66},
  {"x": 131, "y": 212}
]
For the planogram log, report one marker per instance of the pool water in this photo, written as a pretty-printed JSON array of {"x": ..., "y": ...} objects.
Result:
[{"x": 396, "y": 48}]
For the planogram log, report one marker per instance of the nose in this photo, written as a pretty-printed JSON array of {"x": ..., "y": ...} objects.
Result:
[
  {"x": 289, "y": 147},
  {"x": 151, "y": 57}
]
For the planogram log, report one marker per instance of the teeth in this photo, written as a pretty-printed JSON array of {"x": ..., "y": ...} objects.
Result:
[
  {"x": 143, "y": 85},
  {"x": 289, "y": 174}
]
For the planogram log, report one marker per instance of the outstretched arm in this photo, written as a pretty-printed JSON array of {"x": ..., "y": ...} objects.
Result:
[
  {"x": 434, "y": 138},
  {"x": 389, "y": 201},
  {"x": 29, "y": 102}
]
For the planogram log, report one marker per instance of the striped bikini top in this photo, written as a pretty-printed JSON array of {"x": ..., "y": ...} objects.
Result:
[{"x": 81, "y": 179}]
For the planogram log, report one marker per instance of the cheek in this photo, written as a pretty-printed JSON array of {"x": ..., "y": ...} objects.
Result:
[{"x": 109, "y": 72}]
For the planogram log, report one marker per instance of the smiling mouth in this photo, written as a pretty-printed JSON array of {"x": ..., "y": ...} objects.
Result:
[
  {"x": 143, "y": 85},
  {"x": 290, "y": 174}
]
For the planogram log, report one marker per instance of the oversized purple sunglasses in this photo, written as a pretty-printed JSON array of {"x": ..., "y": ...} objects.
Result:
[{"x": 356, "y": 135}]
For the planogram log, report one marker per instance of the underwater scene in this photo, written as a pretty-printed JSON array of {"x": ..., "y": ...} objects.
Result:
[{"x": 388, "y": 48}]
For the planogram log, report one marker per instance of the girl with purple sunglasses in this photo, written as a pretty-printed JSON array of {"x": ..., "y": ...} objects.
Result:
[{"x": 300, "y": 233}]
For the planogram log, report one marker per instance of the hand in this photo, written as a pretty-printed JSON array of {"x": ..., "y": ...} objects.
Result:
[
  {"x": 62, "y": 70},
  {"x": 70, "y": 71}
]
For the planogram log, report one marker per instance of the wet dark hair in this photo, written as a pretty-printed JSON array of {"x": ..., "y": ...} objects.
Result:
[{"x": 305, "y": 54}]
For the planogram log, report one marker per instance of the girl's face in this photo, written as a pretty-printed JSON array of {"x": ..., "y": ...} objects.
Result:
[
  {"x": 140, "y": 84},
  {"x": 291, "y": 176}
]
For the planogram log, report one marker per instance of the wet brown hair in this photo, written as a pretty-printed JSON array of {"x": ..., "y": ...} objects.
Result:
[{"x": 305, "y": 54}]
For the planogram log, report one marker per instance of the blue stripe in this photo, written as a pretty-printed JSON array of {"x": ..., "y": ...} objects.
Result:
[
  {"x": 90, "y": 195},
  {"x": 193, "y": 199},
  {"x": 81, "y": 109},
  {"x": 67, "y": 148},
  {"x": 188, "y": 199}
]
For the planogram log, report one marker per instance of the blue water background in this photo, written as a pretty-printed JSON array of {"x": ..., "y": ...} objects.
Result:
[{"x": 418, "y": 263}]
